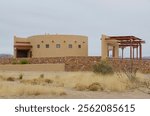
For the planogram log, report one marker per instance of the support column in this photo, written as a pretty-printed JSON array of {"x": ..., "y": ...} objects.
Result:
[
  {"x": 122, "y": 52},
  {"x": 137, "y": 52},
  {"x": 113, "y": 52},
  {"x": 107, "y": 51},
  {"x": 104, "y": 47},
  {"x": 140, "y": 52},
  {"x": 131, "y": 52}
]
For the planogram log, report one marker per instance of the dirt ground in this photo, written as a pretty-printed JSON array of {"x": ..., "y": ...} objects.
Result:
[{"x": 72, "y": 93}]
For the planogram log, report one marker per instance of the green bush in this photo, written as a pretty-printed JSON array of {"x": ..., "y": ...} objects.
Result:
[
  {"x": 24, "y": 61},
  {"x": 103, "y": 68}
]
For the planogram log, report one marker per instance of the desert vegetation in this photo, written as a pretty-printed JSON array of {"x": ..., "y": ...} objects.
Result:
[
  {"x": 61, "y": 83},
  {"x": 23, "y": 61},
  {"x": 104, "y": 78},
  {"x": 103, "y": 68}
]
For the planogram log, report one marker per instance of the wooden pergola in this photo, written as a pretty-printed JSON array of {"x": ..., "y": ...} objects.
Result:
[{"x": 129, "y": 41}]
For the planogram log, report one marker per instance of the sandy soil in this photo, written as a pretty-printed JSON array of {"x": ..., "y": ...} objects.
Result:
[{"x": 75, "y": 94}]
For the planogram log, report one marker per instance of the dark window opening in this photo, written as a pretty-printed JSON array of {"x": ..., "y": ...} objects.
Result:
[
  {"x": 70, "y": 46},
  {"x": 57, "y": 45},
  {"x": 38, "y": 46},
  {"x": 79, "y": 46},
  {"x": 47, "y": 45}
]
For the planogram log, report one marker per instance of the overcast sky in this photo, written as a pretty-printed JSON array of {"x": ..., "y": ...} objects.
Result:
[{"x": 83, "y": 17}]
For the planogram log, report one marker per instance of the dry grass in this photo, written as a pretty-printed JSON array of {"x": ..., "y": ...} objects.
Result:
[
  {"x": 11, "y": 89},
  {"x": 80, "y": 87},
  {"x": 56, "y": 83},
  {"x": 37, "y": 81},
  {"x": 95, "y": 87},
  {"x": 88, "y": 81}
]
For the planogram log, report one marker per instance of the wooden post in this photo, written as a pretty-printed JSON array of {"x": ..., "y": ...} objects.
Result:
[
  {"x": 113, "y": 52},
  {"x": 122, "y": 52},
  {"x": 137, "y": 53},
  {"x": 107, "y": 51},
  {"x": 140, "y": 52},
  {"x": 131, "y": 52}
]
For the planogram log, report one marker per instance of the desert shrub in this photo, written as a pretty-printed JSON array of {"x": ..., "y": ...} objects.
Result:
[
  {"x": 42, "y": 76},
  {"x": 95, "y": 87},
  {"x": 103, "y": 68},
  {"x": 48, "y": 81},
  {"x": 147, "y": 83},
  {"x": 24, "y": 61},
  {"x": 10, "y": 79},
  {"x": 20, "y": 76},
  {"x": 80, "y": 87}
]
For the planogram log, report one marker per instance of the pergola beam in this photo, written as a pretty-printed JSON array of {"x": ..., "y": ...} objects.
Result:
[{"x": 128, "y": 41}]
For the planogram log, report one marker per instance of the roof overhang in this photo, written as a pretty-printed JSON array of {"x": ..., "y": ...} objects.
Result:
[{"x": 24, "y": 45}]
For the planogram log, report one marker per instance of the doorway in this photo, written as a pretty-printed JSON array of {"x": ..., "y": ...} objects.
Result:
[{"x": 22, "y": 53}]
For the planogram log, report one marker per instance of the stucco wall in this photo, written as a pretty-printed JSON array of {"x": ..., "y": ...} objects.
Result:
[
  {"x": 82, "y": 63},
  {"x": 52, "y": 40}
]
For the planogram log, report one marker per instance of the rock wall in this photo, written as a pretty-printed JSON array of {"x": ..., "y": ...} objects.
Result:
[{"x": 82, "y": 63}]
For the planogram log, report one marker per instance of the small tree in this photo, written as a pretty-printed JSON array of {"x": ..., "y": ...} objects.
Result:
[{"x": 103, "y": 67}]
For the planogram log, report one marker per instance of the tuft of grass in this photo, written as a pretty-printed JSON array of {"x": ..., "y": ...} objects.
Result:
[
  {"x": 42, "y": 76},
  {"x": 48, "y": 81},
  {"x": 20, "y": 76},
  {"x": 10, "y": 79},
  {"x": 80, "y": 87},
  {"x": 95, "y": 87}
]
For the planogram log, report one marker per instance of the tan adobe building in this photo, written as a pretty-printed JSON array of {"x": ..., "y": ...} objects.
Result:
[
  {"x": 50, "y": 46},
  {"x": 113, "y": 43}
]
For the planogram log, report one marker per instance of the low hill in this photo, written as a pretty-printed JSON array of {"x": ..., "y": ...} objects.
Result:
[{"x": 6, "y": 56}]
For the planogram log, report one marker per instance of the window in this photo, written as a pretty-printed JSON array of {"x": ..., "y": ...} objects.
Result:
[
  {"x": 38, "y": 46},
  {"x": 47, "y": 45},
  {"x": 57, "y": 45},
  {"x": 70, "y": 46},
  {"x": 79, "y": 46}
]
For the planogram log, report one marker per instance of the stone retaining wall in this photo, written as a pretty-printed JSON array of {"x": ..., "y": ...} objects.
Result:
[{"x": 82, "y": 63}]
